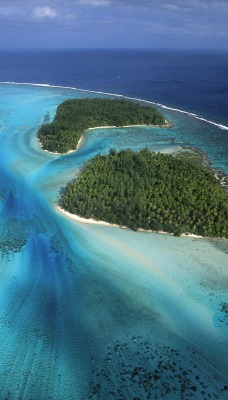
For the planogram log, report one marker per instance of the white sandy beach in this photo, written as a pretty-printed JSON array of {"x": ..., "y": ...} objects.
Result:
[
  {"x": 85, "y": 220},
  {"x": 61, "y": 154},
  {"x": 96, "y": 222},
  {"x": 168, "y": 124}
]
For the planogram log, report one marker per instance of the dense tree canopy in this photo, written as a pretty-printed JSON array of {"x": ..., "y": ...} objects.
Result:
[
  {"x": 76, "y": 115},
  {"x": 150, "y": 191}
]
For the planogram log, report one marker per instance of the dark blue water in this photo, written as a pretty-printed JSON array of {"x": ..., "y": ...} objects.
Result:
[{"x": 193, "y": 81}]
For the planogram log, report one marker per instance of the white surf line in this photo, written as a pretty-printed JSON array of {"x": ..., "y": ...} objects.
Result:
[
  {"x": 223, "y": 127},
  {"x": 62, "y": 87}
]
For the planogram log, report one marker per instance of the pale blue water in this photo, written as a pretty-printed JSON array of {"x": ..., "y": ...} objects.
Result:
[{"x": 94, "y": 312}]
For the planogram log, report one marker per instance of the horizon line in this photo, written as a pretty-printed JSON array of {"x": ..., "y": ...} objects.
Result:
[{"x": 32, "y": 49}]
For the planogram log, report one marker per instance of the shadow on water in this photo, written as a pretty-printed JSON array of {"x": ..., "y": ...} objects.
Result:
[{"x": 220, "y": 244}]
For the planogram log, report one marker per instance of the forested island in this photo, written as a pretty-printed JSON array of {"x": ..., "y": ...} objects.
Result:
[
  {"x": 74, "y": 116},
  {"x": 148, "y": 190}
]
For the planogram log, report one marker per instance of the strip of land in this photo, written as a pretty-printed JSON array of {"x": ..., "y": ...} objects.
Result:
[
  {"x": 75, "y": 116},
  {"x": 142, "y": 191},
  {"x": 152, "y": 191},
  {"x": 166, "y": 125},
  {"x": 91, "y": 221}
]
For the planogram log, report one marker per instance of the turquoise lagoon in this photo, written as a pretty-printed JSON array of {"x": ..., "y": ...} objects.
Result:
[{"x": 97, "y": 312}]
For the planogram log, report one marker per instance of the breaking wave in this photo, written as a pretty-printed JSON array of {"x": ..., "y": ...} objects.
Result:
[{"x": 224, "y": 127}]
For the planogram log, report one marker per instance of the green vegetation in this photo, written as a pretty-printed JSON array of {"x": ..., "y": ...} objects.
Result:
[
  {"x": 76, "y": 115},
  {"x": 194, "y": 155},
  {"x": 150, "y": 191}
]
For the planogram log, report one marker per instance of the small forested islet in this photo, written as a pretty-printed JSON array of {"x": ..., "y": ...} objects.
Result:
[
  {"x": 148, "y": 190},
  {"x": 74, "y": 116}
]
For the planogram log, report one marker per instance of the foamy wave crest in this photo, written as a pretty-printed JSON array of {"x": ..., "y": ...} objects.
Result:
[
  {"x": 224, "y": 127},
  {"x": 194, "y": 116},
  {"x": 63, "y": 87}
]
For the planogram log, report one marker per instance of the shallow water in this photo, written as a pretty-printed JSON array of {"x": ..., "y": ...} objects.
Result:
[{"x": 95, "y": 312}]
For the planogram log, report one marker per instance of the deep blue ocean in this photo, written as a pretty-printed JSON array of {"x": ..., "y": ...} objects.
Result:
[
  {"x": 188, "y": 80},
  {"x": 94, "y": 312}
]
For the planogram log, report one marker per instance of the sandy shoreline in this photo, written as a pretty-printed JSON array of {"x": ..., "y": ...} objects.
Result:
[
  {"x": 62, "y": 154},
  {"x": 167, "y": 125},
  {"x": 75, "y": 217},
  {"x": 85, "y": 220}
]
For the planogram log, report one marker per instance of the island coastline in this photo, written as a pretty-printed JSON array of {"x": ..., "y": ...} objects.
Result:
[
  {"x": 75, "y": 116},
  {"x": 90, "y": 221},
  {"x": 146, "y": 210},
  {"x": 71, "y": 109},
  {"x": 167, "y": 125}
]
